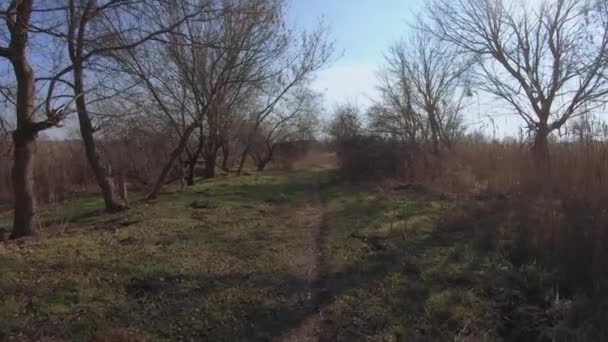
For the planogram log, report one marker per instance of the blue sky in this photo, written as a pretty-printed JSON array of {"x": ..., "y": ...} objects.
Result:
[{"x": 362, "y": 31}]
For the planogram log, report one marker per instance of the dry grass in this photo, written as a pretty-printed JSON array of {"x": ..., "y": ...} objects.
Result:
[
  {"x": 576, "y": 170},
  {"x": 554, "y": 218},
  {"x": 550, "y": 219},
  {"x": 60, "y": 172}
]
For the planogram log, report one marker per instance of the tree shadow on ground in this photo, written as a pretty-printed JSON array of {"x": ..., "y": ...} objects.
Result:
[
  {"x": 250, "y": 306},
  {"x": 226, "y": 308}
]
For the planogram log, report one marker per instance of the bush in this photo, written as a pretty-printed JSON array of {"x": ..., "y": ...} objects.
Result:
[
  {"x": 367, "y": 157},
  {"x": 287, "y": 153}
]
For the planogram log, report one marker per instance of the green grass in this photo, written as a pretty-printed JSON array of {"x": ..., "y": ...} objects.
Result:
[
  {"x": 233, "y": 270},
  {"x": 398, "y": 279}
]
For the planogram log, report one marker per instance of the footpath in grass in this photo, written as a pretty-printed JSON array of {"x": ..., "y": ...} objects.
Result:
[{"x": 272, "y": 256}]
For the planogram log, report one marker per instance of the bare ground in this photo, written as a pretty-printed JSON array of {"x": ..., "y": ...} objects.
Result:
[{"x": 312, "y": 328}]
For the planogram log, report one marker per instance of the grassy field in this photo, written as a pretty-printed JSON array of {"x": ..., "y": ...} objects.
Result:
[{"x": 249, "y": 258}]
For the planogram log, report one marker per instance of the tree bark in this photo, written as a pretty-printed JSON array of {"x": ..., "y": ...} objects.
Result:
[
  {"x": 263, "y": 161},
  {"x": 261, "y": 165},
  {"x": 211, "y": 160},
  {"x": 225, "y": 156},
  {"x": 540, "y": 149},
  {"x": 24, "y": 220},
  {"x": 243, "y": 159},
  {"x": 24, "y": 223},
  {"x": 190, "y": 174},
  {"x": 434, "y": 129},
  {"x": 174, "y": 155},
  {"x": 210, "y": 167},
  {"x": 210, "y": 154},
  {"x": 122, "y": 187},
  {"x": 194, "y": 158},
  {"x": 102, "y": 174},
  {"x": 541, "y": 159},
  {"x": 247, "y": 148}
]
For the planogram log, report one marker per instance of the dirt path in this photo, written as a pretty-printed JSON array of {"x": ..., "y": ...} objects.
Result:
[{"x": 312, "y": 328}]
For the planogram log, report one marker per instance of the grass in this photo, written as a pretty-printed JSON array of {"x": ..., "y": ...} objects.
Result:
[
  {"x": 226, "y": 260},
  {"x": 392, "y": 277}
]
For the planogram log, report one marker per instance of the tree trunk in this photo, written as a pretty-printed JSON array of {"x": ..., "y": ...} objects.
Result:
[
  {"x": 181, "y": 176},
  {"x": 225, "y": 156},
  {"x": 243, "y": 159},
  {"x": 194, "y": 158},
  {"x": 24, "y": 138},
  {"x": 210, "y": 155},
  {"x": 264, "y": 160},
  {"x": 434, "y": 130},
  {"x": 540, "y": 149},
  {"x": 261, "y": 165},
  {"x": 174, "y": 155},
  {"x": 122, "y": 187},
  {"x": 190, "y": 174},
  {"x": 409, "y": 161},
  {"x": 23, "y": 184},
  {"x": 541, "y": 159},
  {"x": 211, "y": 161},
  {"x": 210, "y": 167},
  {"x": 102, "y": 174},
  {"x": 247, "y": 148}
]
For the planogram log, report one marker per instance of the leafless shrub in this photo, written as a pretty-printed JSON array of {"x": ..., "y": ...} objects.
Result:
[{"x": 363, "y": 158}]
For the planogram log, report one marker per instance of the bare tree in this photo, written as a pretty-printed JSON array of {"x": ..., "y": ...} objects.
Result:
[
  {"x": 293, "y": 120},
  {"x": 197, "y": 78},
  {"x": 346, "y": 123},
  {"x": 193, "y": 154},
  {"x": 17, "y": 17},
  {"x": 393, "y": 116},
  {"x": 394, "y": 120},
  {"x": 232, "y": 64},
  {"x": 5, "y": 129},
  {"x": 423, "y": 84},
  {"x": 546, "y": 59},
  {"x": 92, "y": 31},
  {"x": 295, "y": 65},
  {"x": 165, "y": 100},
  {"x": 587, "y": 129}
]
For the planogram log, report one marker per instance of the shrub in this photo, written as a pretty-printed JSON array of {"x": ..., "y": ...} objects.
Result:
[{"x": 367, "y": 157}]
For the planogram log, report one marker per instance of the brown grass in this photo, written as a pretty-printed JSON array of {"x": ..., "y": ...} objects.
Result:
[
  {"x": 60, "y": 172},
  {"x": 557, "y": 217},
  {"x": 554, "y": 218}
]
